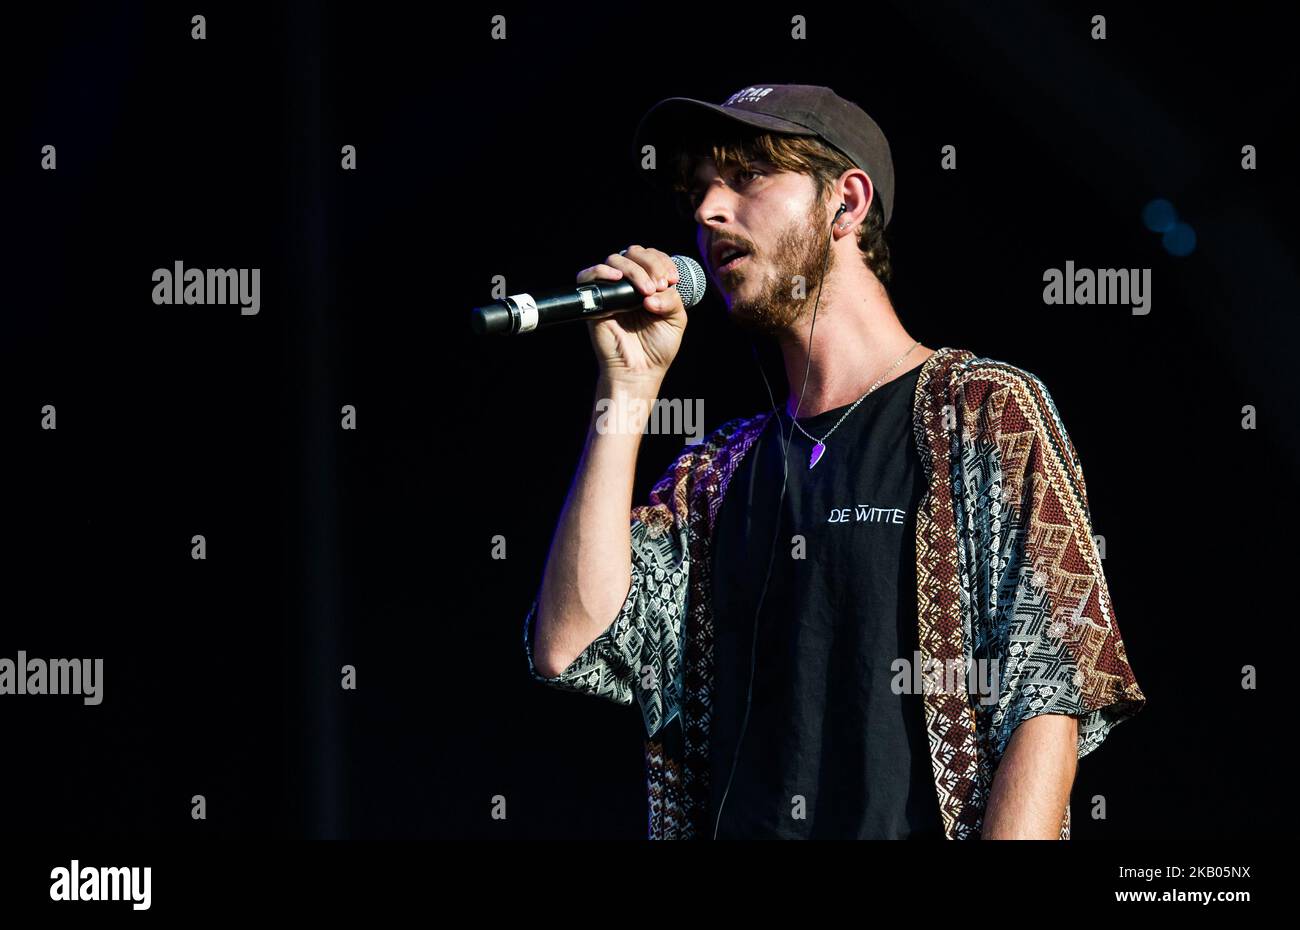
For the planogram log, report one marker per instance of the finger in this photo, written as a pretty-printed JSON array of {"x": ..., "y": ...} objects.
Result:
[
  {"x": 634, "y": 272},
  {"x": 601, "y": 272},
  {"x": 665, "y": 268},
  {"x": 664, "y": 303},
  {"x": 659, "y": 266}
]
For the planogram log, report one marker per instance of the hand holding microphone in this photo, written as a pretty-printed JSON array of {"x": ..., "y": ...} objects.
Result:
[
  {"x": 640, "y": 345},
  {"x": 634, "y": 303}
]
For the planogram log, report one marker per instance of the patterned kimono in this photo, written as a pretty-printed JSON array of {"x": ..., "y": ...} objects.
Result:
[{"x": 1008, "y": 573}]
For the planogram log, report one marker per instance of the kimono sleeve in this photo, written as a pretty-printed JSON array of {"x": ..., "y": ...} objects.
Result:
[
  {"x": 639, "y": 655},
  {"x": 1059, "y": 639}
]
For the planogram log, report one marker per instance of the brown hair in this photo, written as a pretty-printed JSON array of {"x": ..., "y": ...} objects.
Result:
[{"x": 802, "y": 154}]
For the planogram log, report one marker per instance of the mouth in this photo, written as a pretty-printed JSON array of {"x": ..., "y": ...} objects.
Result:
[{"x": 730, "y": 258}]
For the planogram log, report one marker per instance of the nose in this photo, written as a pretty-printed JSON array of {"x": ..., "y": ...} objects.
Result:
[{"x": 715, "y": 206}]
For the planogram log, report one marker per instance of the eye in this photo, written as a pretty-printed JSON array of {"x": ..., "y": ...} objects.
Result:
[{"x": 689, "y": 201}]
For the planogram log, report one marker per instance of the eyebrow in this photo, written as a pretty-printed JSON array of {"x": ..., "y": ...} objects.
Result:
[{"x": 694, "y": 185}]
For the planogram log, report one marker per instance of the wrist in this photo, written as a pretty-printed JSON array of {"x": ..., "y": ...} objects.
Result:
[{"x": 628, "y": 386}]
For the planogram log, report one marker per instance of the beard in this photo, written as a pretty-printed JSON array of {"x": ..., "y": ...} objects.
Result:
[{"x": 772, "y": 307}]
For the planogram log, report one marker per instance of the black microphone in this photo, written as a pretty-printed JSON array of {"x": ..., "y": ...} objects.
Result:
[{"x": 595, "y": 300}]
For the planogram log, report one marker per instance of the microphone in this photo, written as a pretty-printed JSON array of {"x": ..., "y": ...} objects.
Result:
[{"x": 595, "y": 300}]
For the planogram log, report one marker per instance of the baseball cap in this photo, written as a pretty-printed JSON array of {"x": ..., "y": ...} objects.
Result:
[{"x": 789, "y": 109}]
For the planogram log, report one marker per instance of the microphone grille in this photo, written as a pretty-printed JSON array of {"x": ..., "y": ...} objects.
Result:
[{"x": 691, "y": 281}]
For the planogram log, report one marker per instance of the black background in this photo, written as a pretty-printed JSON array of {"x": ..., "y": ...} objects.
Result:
[{"x": 479, "y": 158}]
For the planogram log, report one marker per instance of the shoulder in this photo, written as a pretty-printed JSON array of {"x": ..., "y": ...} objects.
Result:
[
  {"x": 733, "y": 435},
  {"x": 1009, "y": 399},
  {"x": 704, "y": 467},
  {"x": 979, "y": 376},
  {"x": 980, "y": 383}
]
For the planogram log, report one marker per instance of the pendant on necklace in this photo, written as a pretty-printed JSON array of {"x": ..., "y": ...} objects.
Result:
[{"x": 816, "y": 455}]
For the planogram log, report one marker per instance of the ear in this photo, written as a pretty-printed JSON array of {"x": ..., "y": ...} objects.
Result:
[{"x": 856, "y": 193}]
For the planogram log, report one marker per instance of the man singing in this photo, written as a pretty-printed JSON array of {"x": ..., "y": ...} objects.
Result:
[{"x": 876, "y": 613}]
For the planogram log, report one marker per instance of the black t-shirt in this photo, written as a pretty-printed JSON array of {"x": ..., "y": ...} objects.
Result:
[{"x": 825, "y": 723}]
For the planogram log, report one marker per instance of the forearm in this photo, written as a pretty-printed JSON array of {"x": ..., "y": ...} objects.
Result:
[
  {"x": 589, "y": 567},
  {"x": 1031, "y": 787}
]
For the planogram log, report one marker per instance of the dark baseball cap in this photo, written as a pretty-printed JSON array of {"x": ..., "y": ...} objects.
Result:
[{"x": 790, "y": 109}]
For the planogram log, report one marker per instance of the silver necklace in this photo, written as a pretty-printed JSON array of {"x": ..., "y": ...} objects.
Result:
[{"x": 820, "y": 448}]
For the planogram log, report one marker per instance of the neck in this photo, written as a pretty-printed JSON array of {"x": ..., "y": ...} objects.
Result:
[{"x": 856, "y": 339}]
